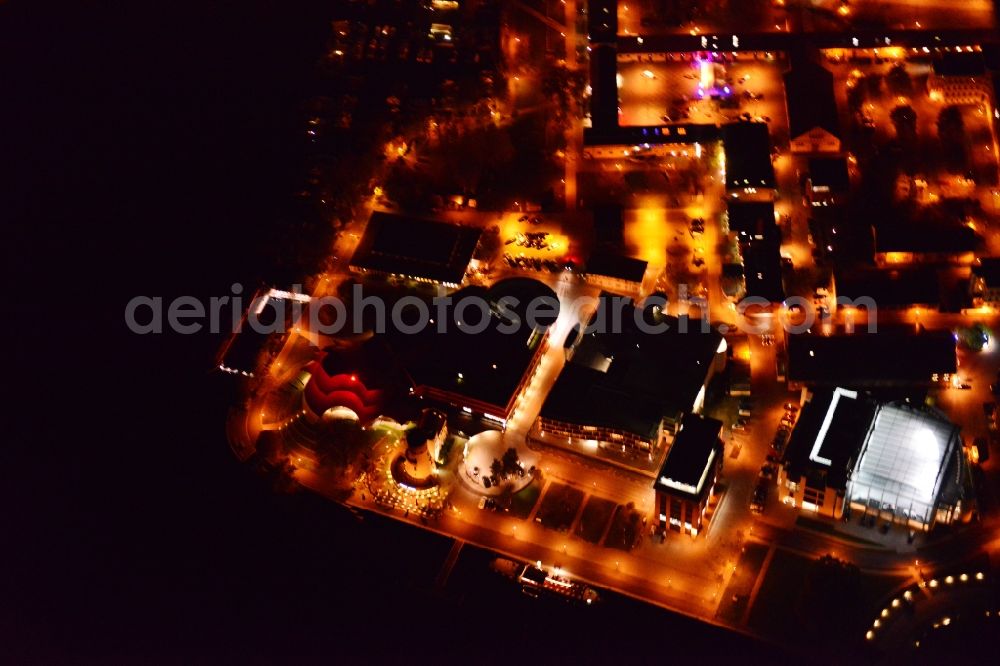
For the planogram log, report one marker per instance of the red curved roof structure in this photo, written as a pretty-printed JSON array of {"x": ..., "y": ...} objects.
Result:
[{"x": 325, "y": 390}]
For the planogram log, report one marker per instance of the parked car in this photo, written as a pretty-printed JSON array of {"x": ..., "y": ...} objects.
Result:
[{"x": 759, "y": 499}]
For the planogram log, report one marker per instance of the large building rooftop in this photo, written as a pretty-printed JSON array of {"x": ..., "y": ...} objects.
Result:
[
  {"x": 416, "y": 248},
  {"x": 897, "y": 459},
  {"x": 751, "y": 219},
  {"x": 762, "y": 269},
  {"x": 886, "y": 358},
  {"x": 748, "y": 155},
  {"x": 903, "y": 463},
  {"x": 616, "y": 266},
  {"x": 829, "y": 432},
  {"x": 481, "y": 362},
  {"x": 760, "y": 245},
  {"x": 631, "y": 379},
  {"x": 960, "y": 64},
  {"x": 810, "y": 99},
  {"x": 687, "y": 469},
  {"x": 604, "y": 87},
  {"x": 602, "y": 21},
  {"x": 925, "y": 237},
  {"x": 829, "y": 174},
  {"x": 890, "y": 288}
]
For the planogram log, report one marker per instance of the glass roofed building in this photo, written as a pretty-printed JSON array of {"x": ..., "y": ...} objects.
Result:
[
  {"x": 895, "y": 462},
  {"x": 908, "y": 467}
]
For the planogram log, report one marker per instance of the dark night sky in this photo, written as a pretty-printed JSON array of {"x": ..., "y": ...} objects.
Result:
[{"x": 147, "y": 148}]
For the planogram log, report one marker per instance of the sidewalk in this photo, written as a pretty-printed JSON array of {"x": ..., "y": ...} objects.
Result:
[{"x": 647, "y": 468}]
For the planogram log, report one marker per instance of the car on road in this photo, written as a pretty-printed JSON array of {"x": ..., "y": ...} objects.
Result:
[
  {"x": 791, "y": 407},
  {"x": 745, "y": 407},
  {"x": 759, "y": 499}
]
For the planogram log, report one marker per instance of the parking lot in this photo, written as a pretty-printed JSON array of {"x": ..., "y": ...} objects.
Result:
[
  {"x": 661, "y": 89},
  {"x": 934, "y": 179}
]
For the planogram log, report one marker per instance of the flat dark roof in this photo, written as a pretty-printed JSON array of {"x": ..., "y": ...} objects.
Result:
[
  {"x": 403, "y": 245},
  {"x": 630, "y": 379},
  {"x": 762, "y": 269},
  {"x": 602, "y": 20},
  {"x": 988, "y": 269},
  {"x": 890, "y": 288},
  {"x": 829, "y": 172},
  {"x": 484, "y": 365},
  {"x": 584, "y": 396},
  {"x": 861, "y": 359},
  {"x": 245, "y": 347},
  {"x": 810, "y": 99},
  {"x": 609, "y": 224},
  {"x": 848, "y": 428},
  {"x": 604, "y": 87},
  {"x": 616, "y": 266},
  {"x": 960, "y": 64},
  {"x": 750, "y": 219},
  {"x": 660, "y": 134},
  {"x": 925, "y": 237},
  {"x": 748, "y": 155},
  {"x": 694, "y": 451}
]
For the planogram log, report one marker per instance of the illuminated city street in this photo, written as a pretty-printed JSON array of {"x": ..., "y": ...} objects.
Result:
[{"x": 649, "y": 156}]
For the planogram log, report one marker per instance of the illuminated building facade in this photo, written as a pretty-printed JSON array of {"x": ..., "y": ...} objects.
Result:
[
  {"x": 911, "y": 469},
  {"x": 822, "y": 450},
  {"x": 686, "y": 482},
  {"x": 896, "y": 462}
]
